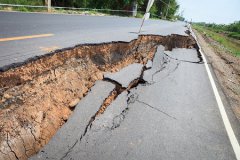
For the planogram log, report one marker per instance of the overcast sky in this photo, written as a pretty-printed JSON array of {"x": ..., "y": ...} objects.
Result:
[{"x": 217, "y": 11}]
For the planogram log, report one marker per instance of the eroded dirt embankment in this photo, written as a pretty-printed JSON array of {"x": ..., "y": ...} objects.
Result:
[{"x": 37, "y": 98}]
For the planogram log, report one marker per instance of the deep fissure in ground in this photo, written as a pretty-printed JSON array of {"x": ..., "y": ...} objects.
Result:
[{"x": 37, "y": 97}]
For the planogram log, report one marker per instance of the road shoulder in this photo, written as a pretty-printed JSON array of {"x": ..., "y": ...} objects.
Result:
[
  {"x": 225, "y": 68},
  {"x": 222, "y": 73}
]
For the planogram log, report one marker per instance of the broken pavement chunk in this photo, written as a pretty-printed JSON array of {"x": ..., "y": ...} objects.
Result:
[
  {"x": 149, "y": 64},
  {"x": 126, "y": 75},
  {"x": 76, "y": 126},
  {"x": 185, "y": 55},
  {"x": 157, "y": 65},
  {"x": 158, "y": 59}
]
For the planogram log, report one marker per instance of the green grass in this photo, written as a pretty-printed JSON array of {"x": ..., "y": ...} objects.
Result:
[
  {"x": 23, "y": 2},
  {"x": 23, "y": 9},
  {"x": 225, "y": 41},
  {"x": 64, "y": 11},
  {"x": 234, "y": 35},
  {"x": 69, "y": 11}
]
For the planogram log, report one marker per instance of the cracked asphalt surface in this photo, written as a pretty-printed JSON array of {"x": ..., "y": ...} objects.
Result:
[
  {"x": 170, "y": 114},
  {"x": 165, "y": 110},
  {"x": 70, "y": 30}
]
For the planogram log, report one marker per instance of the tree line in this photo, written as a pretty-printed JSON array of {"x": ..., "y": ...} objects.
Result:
[{"x": 161, "y": 8}]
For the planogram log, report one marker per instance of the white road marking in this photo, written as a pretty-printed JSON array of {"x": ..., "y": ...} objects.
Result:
[{"x": 227, "y": 124}]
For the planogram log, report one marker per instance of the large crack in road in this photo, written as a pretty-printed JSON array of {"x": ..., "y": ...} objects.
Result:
[
  {"x": 41, "y": 93},
  {"x": 114, "y": 112}
]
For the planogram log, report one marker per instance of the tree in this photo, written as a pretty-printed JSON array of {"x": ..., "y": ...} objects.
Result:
[{"x": 159, "y": 8}]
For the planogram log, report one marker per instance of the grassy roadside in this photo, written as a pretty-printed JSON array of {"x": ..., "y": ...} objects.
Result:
[
  {"x": 80, "y": 12},
  {"x": 61, "y": 11},
  {"x": 231, "y": 45},
  {"x": 22, "y": 9}
]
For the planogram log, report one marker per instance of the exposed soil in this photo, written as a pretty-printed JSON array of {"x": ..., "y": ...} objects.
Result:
[
  {"x": 107, "y": 102},
  {"x": 37, "y": 97},
  {"x": 226, "y": 67}
]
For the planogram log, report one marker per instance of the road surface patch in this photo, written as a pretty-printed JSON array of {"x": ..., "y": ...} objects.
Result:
[
  {"x": 126, "y": 75},
  {"x": 157, "y": 64}
]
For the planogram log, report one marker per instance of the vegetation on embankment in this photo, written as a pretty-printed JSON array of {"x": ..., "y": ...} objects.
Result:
[
  {"x": 219, "y": 35},
  {"x": 231, "y": 30}
]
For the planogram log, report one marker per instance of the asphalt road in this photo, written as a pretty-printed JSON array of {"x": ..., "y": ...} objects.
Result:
[
  {"x": 173, "y": 115},
  {"x": 68, "y": 31}
]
